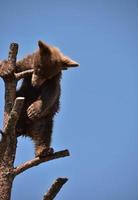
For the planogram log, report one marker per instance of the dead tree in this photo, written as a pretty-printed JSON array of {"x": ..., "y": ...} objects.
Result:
[{"x": 8, "y": 141}]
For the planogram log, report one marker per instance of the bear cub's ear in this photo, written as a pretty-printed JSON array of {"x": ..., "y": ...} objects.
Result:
[
  {"x": 67, "y": 62},
  {"x": 43, "y": 47}
]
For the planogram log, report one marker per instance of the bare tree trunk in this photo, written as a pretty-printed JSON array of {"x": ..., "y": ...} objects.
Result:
[
  {"x": 6, "y": 180},
  {"x": 8, "y": 143}
]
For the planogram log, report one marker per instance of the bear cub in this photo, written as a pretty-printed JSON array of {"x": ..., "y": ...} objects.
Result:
[{"x": 42, "y": 93}]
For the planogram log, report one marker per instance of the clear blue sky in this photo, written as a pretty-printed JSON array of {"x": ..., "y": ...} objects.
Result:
[{"x": 98, "y": 121}]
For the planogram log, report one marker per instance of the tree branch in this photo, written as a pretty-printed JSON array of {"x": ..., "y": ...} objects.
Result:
[
  {"x": 10, "y": 83},
  {"x": 9, "y": 139},
  {"x": 23, "y": 74},
  {"x": 36, "y": 161},
  {"x": 12, "y": 53},
  {"x": 14, "y": 115},
  {"x": 55, "y": 188}
]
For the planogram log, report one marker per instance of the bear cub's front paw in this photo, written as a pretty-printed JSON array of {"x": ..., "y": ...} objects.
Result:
[{"x": 34, "y": 110}]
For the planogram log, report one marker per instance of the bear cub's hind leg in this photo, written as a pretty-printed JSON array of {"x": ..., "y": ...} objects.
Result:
[{"x": 41, "y": 135}]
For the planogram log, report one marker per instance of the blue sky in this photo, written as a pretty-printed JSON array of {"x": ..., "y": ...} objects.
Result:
[{"x": 98, "y": 121}]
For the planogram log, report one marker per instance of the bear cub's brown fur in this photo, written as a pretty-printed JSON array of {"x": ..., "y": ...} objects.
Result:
[{"x": 42, "y": 92}]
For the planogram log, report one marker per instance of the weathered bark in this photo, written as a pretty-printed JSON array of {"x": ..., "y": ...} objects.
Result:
[{"x": 6, "y": 180}]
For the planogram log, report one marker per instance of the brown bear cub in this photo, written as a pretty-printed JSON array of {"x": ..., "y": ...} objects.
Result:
[{"x": 42, "y": 92}]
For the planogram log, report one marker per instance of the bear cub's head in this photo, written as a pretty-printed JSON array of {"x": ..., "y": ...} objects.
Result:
[{"x": 48, "y": 62}]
